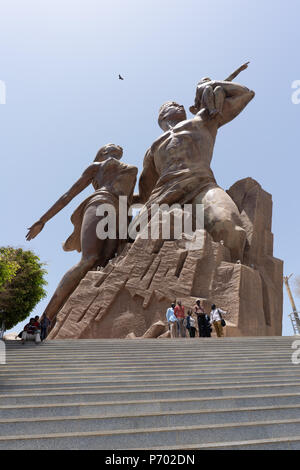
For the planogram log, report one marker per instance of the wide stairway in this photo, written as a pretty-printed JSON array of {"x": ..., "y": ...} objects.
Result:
[{"x": 226, "y": 393}]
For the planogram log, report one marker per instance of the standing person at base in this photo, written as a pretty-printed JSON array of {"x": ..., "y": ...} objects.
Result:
[
  {"x": 216, "y": 319},
  {"x": 190, "y": 324},
  {"x": 179, "y": 314},
  {"x": 203, "y": 320},
  {"x": 172, "y": 321},
  {"x": 207, "y": 327},
  {"x": 45, "y": 324}
]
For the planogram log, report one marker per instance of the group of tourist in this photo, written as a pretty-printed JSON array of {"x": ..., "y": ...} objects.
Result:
[
  {"x": 36, "y": 330},
  {"x": 179, "y": 323}
]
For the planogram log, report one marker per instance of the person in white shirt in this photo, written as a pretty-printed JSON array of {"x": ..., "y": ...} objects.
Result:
[
  {"x": 172, "y": 321},
  {"x": 216, "y": 319}
]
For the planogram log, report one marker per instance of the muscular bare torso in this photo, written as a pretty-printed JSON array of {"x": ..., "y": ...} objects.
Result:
[{"x": 188, "y": 145}]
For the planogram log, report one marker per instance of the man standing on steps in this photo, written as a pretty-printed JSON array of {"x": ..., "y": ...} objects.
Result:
[
  {"x": 179, "y": 314},
  {"x": 203, "y": 321},
  {"x": 45, "y": 324},
  {"x": 216, "y": 319},
  {"x": 172, "y": 321}
]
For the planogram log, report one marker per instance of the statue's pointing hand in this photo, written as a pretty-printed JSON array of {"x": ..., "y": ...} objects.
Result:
[
  {"x": 245, "y": 66},
  {"x": 34, "y": 230}
]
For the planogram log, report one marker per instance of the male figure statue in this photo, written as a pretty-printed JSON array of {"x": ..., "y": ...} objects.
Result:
[
  {"x": 110, "y": 179},
  {"x": 177, "y": 169}
]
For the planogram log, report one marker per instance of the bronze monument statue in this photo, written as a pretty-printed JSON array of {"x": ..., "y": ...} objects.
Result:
[{"x": 234, "y": 267}]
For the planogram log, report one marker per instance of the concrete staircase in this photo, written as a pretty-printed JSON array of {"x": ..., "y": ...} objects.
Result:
[{"x": 226, "y": 393}]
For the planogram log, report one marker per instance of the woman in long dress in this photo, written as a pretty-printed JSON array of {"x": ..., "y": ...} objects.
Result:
[{"x": 110, "y": 179}]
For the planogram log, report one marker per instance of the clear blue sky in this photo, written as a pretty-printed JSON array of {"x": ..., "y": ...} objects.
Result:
[{"x": 60, "y": 61}]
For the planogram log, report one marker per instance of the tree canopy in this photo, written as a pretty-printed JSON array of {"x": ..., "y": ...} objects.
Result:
[
  {"x": 8, "y": 267},
  {"x": 21, "y": 284}
]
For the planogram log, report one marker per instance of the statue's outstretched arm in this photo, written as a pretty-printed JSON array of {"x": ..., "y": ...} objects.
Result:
[
  {"x": 79, "y": 186},
  {"x": 148, "y": 179},
  {"x": 236, "y": 72}
]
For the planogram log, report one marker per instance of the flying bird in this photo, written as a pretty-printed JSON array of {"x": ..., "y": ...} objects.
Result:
[{"x": 121, "y": 78}]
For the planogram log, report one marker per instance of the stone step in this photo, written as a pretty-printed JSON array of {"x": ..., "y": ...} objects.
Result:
[
  {"x": 152, "y": 437},
  {"x": 164, "y": 345},
  {"x": 277, "y": 443},
  {"x": 126, "y": 394},
  {"x": 217, "y": 367},
  {"x": 147, "y": 354},
  {"x": 112, "y": 383},
  {"x": 121, "y": 408},
  {"x": 57, "y": 377},
  {"x": 40, "y": 426},
  {"x": 65, "y": 380},
  {"x": 140, "y": 394},
  {"x": 142, "y": 358},
  {"x": 163, "y": 362},
  {"x": 30, "y": 349},
  {"x": 289, "y": 443},
  {"x": 232, "y": 340}
]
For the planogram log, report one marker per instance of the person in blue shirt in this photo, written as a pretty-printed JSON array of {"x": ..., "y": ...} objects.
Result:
[{"x": 172, "y": 321}]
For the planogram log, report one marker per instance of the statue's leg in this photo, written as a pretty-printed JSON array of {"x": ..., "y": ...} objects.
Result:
[
  {"x": 220, "y": 96},
  {"x": 92, "y": 253},
  {"x": 222, "y": 220},
  {"x": 208, "y": 100}
]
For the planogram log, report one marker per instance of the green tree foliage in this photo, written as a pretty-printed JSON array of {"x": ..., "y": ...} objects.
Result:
[
  {"x": 8, "y": 267},
  {"x": 22, "y": 293}
]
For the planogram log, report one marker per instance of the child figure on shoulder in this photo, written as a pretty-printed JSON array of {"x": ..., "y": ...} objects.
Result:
[{"x": 211, "y": 94}]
